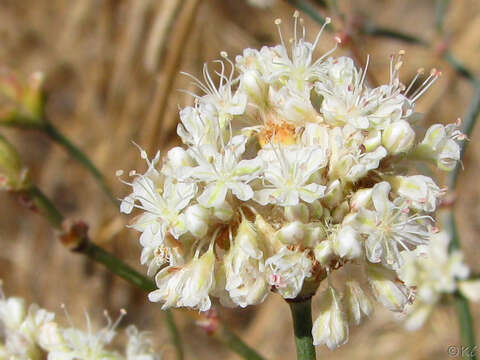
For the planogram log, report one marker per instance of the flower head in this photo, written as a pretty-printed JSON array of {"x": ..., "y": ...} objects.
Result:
[{"x": 293, "y": 169}]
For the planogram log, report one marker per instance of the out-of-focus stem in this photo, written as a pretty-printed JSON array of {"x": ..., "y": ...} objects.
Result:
[
  {"x": 41, "y": 204},
  {"x": 175, "y": 337},
  {"x": 80, "y": 156},
  {"x": 465, "y": 320},
  {"x": 440, "y": 11},
  {"x": 302, "y": 328},
  {"x": 308, "y": 9},
  {"x": 234, "y": 343}
]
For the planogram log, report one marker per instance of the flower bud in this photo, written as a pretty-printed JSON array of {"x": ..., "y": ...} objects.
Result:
[
  {"x": 398, "y": 137},
  {"x": 197, "y": 219},
  {"x": 439, "y": 146},
  {"x": 373, "y": 140},
  {"x": 316, "y": 208},
  {"x": 13, "y": 175},
  {"x": 253, "y": 84},
  {"x": 292, "y": 233},
  {"x": 334, "y": 193},
  {"x": 361, "y": 199},
  {"x": 223, "y": 212},
  {"x": 178, "y": 157},
  {"x": 313, "y": 234},
  {"x": 340, "y": 211},
  {"x": 324, "y": 253},
  {"x": 23, "y": 100},
  {"x": 330, "y": 327},
  {"x": 297, "y": 213},
  {"x": 346, "y": 243},
  {"x": 356, "y": 302},
  {"x": 387, "y": 288}
]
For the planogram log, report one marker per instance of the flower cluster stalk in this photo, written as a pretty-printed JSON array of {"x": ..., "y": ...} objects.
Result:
[{"x": 302, "y": 327}]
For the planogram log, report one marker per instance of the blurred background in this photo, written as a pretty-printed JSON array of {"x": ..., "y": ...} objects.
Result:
[{"x": 112, "y": 77}]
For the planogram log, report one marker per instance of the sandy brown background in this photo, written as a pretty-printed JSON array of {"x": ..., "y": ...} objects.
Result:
[{"x": 111, "y": 71}]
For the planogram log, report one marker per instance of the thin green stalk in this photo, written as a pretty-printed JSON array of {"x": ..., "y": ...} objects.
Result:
[
  {"x": 440, "y": 11},
  {"x": 308, "y": 9},
  {"x": 464, "y": 315},
  {"x": 302, "y": 328},
  {"x": 175, "y": 337},
  {"x": 234, "y": 343},
  {"x": 80, "y": 156},
  {"x": 115, "y": 265},
  {"x": 46, "y": 208},
  {"x": 465, "y": 319},
  {"x": 373, "y": 30}
]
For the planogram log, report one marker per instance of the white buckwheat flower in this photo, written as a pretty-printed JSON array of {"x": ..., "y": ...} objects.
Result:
[
  {"x": 390, "y": 228},
  {"x": 293, "y": 168}
]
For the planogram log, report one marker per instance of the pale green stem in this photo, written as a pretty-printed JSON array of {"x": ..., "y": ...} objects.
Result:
[
  {"x": 440, "y": 11},
  {"x": 234, "y": 343},
  {"x": 79, "y": 156},
  {"x": 302, "y": 328}
]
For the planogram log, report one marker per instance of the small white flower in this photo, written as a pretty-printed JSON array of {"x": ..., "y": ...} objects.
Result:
[
  {"x": 286, "y": 271},
  {"x": 439, "y": 146},
  {"x": 197, "y": 219},
  {"x": 389, "y": 227},
  {"x": 161, "y": 200},
  {"x": 139, "y": 346},
  {"x": 188, "y": 286},
  {"x": 298, "y": 67},
  {"x": 287, "y": 174},
  {"x": 225, "y": 171},
  {"x": 225, "y": 101}
]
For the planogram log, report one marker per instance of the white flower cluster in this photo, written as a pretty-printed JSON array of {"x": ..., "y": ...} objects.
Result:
[
  {"x": 433, "y": 272},
  {"x": 293, "y": 168},
  {"x": 32, "y": 334}
]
